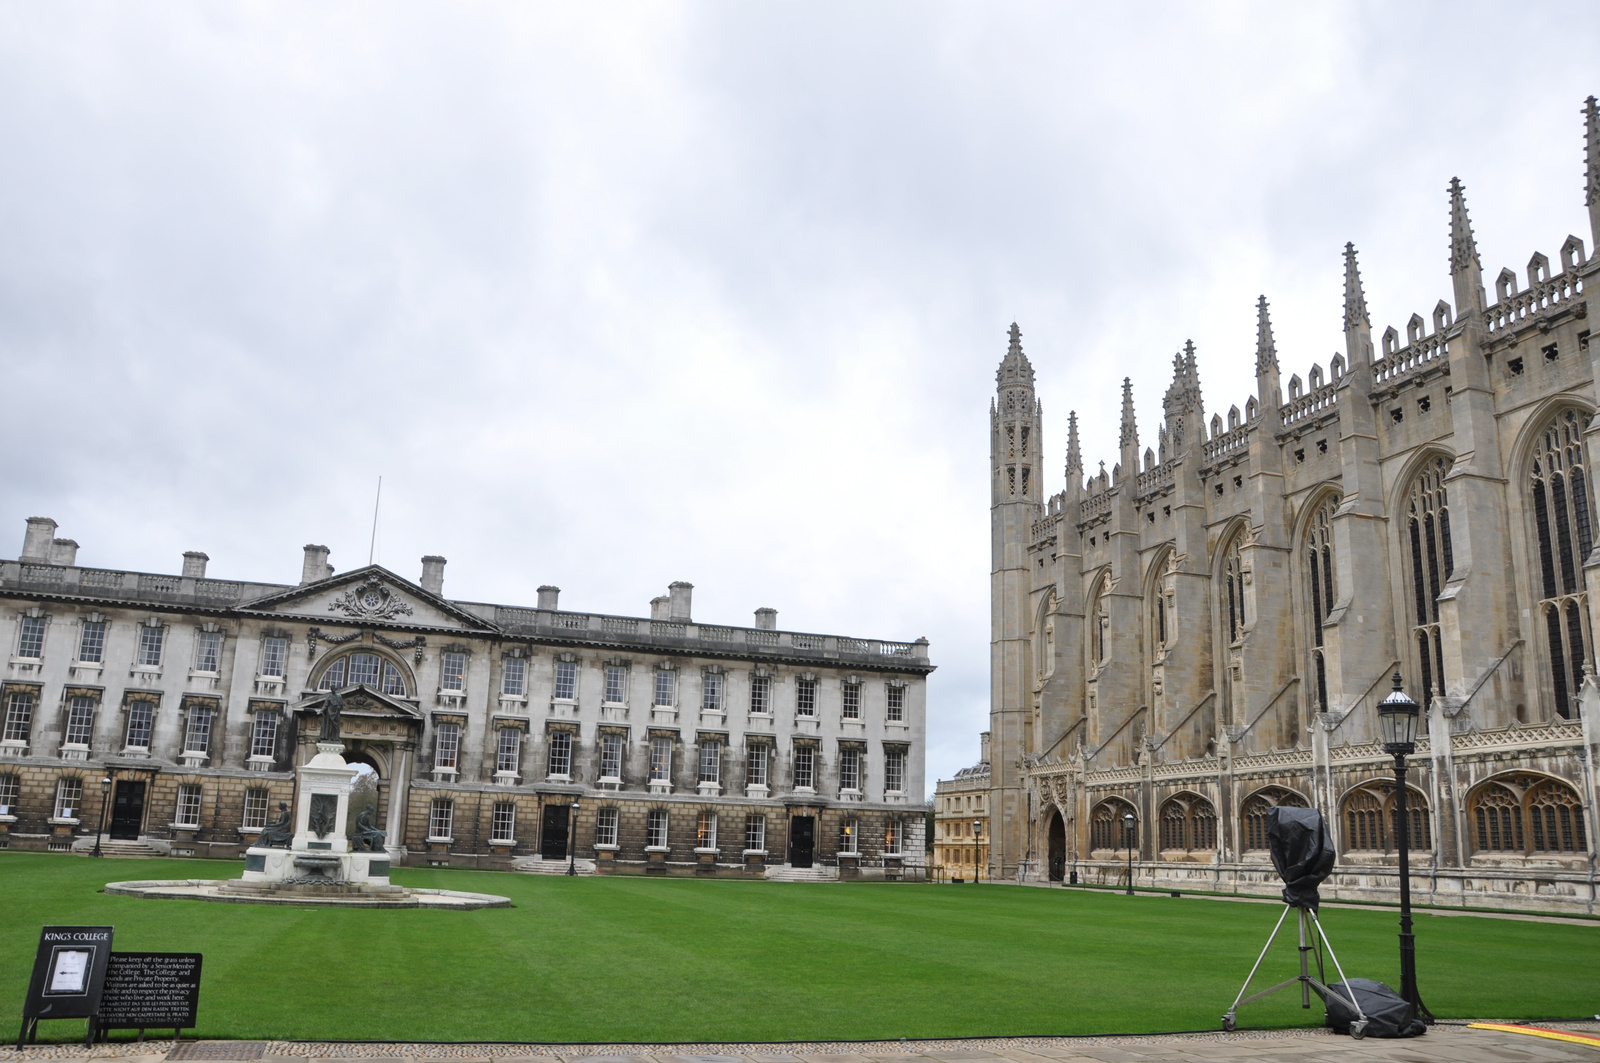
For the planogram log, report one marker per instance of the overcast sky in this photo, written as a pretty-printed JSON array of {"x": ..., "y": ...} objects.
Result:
[{"x": 616, "y": 295}]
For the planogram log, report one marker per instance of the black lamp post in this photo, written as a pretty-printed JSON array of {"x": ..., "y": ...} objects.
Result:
[
  {"x": 1397, "y": 718},
  {"x": 977, "y": 851},
  {"x": 105, "y": 795},
  {"x": 1127, "y": 838},
  {"x": 572, "y": 838}
]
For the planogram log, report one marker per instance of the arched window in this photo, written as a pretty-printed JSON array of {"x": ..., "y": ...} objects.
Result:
[
  {"x": 368, "y": 670},
  {"x": 1431, "y": 560},
  {"x": 1563, "y": 529},
  {"x": 1319, "y": 570},
  {"x": 1372, "y": 823},
  {"x": 1108, "y": 827},
  {"x": 1100, "y": 622},
  {"x": 1188, "y": 822},
  {"x": 1232, "y": 603},
  {"x": 1528, "y": 815},
  {"x": 1256, "y": 808},
  {"x": 1163, "y": 618}
]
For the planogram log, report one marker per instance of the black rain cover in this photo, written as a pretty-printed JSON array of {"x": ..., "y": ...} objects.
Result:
[
  {"x": 1301, "y": 851},
  {"x": 1387, "y": 1014}
]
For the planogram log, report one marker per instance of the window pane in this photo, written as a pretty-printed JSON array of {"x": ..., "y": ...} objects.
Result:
[
  {"x": 755, "y": 831},
  {"x": 852, "y": 701},
  {"x": 69, "y": 798},
  {"x": 447, "y": 745},
  {"x": 806, "y": 697},
  {"x": 666, "y": 687},
  {"x": 756, "y": 766},
  {"x": 611, "y": 756},
  {"x": 660, "y": 759},
  {"x": 441, "y": 817},
  {"x": 515, "y": 682},
  {"x": 605, "y": 827},
  {"x": 503, "y": 829},
  {"x": 897, "y": 703},
  {"x": 561, "y": 753},
  {"x": 850, "y": 769},
  {"x": 150, "y": 639},
  {"x": 255, "y": 809},
  {"x": 711, "y": 692},
  {"x": 394, "y": 684},
  {"x": 804, "y": 765},
  {"x": 710, "y": 761},
  {"x": 364, "y": 669},
  {"x": 656, "y": 834},
  {"x": 616, "y": 684},
  {"x": 274, "y": 655},
  {"x": 197, "y": 738},
  {"x": 566, "y": 680},
  {"x": 453, "y": 674},
  {"x": 19, "y": 715},
  {"x": 30, "y": 642},
  {"x": 894, "y": 771},
  {"x": 264, "y": 738},
  {"x": 92, "y": 644},
  {"x": 207, "y": 651},
  {"x": 80, "y": 721},
  {"x": 140, "y": 716},
  {"x": 333, "y": 678},
  {"x": 760, "y": 693},
  {"x": 188, "y": 812},
  {"x": 509, "y": 751}
]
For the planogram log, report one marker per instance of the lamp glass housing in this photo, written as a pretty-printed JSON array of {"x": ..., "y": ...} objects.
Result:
[{"x": 1397, "y": 720}]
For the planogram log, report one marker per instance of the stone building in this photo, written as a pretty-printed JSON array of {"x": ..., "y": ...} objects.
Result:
[
  {"x": 1204, "y": 631},
  {"x": 686, "y": 746},
  {"x": 961, "y": 822}
]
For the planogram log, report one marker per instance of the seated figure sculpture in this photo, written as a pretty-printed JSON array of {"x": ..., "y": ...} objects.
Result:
[
  {"x": 280, "y": 832},
  {"x": 367, "y": 838}
]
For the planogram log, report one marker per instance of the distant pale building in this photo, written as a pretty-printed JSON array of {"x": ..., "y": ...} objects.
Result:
[
  {"x": 961, "y": 822},
  {"x": 1204, "y": 630}
]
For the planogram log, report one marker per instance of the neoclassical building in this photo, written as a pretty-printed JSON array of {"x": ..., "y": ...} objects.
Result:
[
  {"x": 961, "y": 822},
  {"x": 1204, "y": 630},
  {"x": 498, "y": 734}
]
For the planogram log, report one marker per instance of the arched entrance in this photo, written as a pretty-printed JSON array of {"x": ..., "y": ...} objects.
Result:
[{"x": 1058, "y": 848}]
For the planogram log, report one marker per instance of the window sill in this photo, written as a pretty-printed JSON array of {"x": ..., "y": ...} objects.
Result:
[
  {"x": 506, "y": 778},
  {"x": 658, "y": 849},
  {"x": 444, "y": 774},
  {"x": 709, "y": 789},
  {"x": 805, "y": 791},
  {"x": 702, "y": 851},
  {"x": 599, "y": 848},
  {"x": 753, "y": 852},
  {"x": 852, "y": 795},
  {"x": 7, "y": 818},
  {"x": 503, "y": 841},
  {"x": 145, "y": 671},
  {"x": 63, "y": 821},
  {"x": 558, "y": 777},
  {"x": 435, "y": 840},
  {"x": 183, "y": 826},
  {"x": 136, "y": 751},
  {"x": 74, "y": 751},
  {"x": 660, "y": 786},
  {"x": 513, "y": 701},
  {"x": 260, "y": 763},
  {"x": 755, "y": 791}
]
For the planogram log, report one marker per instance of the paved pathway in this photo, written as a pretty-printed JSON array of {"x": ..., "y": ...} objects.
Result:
[{"x": 1444, "y": 1043}]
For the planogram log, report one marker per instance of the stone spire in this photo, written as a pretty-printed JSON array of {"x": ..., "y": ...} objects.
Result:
[
  {"x": 1591, "y": 158},
  {"x": 1015, "y": 369},
  {"x": 1466, "y": 270},
  {"x": 1266, "y": 350},
  {"x": 1130, "y": 428},
  {"x": 1074, "y": 455},
  {"x": 1355, "y": 300}
]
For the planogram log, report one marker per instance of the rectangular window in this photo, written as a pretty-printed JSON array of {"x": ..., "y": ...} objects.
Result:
[
  {"x": 656, "y": 828},
  {"x": 710, "y": 760},
  {"x": 514, "y": 680},
  {"x": 897, "y": 703},
  {"x": 364, "y": 669},
  {"x": 666, "y": 687},
  {"x": 207, "y": 651},
  {"x": 150, "y": 639},
  {"x": 561, "y": 753},
  {"x": 566, "y": 680},
  {"x": 850, "y": 836},
  {"x": 141, "y": 717},
  {"x": 274, "y": 656},
  {"x": 197, "y": 736},
  {"x": 255, "y": 809},
  {"x": 453, "y": 672},
  {"x": 605, "y": 827},
  {"x": 711, "y": 692},
  {"x": 188, "y": 811},
  {"x": 616, "y": 684},
  {"x": 805, "y": 766},
  {"x": 805, "y": 697},
  {"x": 705, "y": 831},
  {"x": 891, "y": 838},
  {"x": 660, "y": 759},
  {"x": 92, "y": 643},
  {"x": 849, "y": 768},
  {"x": 503, "y": 827},
  {"x": 9, "y": 789},
  {"x": 80, "y": 721},
  {"x": 69, "y": 798},
  {"x": 852, "y": 701},
  {"x": 894, "y": 771},
  {"x": 441, "y": 818},
  {"x": 264, "y": 736},
  {"x": 755, "y": 831},
  {"x": 509, "y": 751},
  {"x": 19, "y": 715},
  {"x": 610, "y": 756},
  {"x": 30, "y": 641},
  {"x": 755, "y": 766},
  {"x": 447, "y": 745},
  {"x": 761, "y": 693}
]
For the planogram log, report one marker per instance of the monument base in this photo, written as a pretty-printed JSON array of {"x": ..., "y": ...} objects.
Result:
[{"x": 313, "y": 867}]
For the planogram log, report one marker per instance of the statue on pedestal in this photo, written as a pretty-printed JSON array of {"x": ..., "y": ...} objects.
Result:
[
  {"x": 332, "y": 708},
  {"x": 368, "y": 838},
  {"x": 280, "y": 832}
]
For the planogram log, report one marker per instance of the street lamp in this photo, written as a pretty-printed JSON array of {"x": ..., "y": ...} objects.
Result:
[
  {"x": 1397, "y": 719},
  {"x": 1127, "y": 837},
  {"x": 572, "y": 838},
  {"x": 977, "y": 850},
  {"x": 105, "y": 793}
]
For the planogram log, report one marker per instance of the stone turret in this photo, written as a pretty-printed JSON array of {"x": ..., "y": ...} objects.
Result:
[
  {"x": 1268, "y": 392},
  {"x": 1466, "y": 269},
  {"x": 1591, "y": 166}
]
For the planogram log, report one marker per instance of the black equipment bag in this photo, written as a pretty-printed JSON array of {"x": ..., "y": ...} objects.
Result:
[{"x": 1388, "y": 1015}]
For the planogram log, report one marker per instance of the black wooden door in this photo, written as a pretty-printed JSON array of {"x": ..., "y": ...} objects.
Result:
[
  {"x": 1058, "y": 849},
  {"x": 802, "y": 840},
  {"x": 127, "y": 809},
  {"x": 553, "y": 839}
]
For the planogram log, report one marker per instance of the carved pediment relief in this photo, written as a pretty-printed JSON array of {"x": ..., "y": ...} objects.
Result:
[
  {"x": 371, "y": 596},
  {"x": 371, "y": 599}
]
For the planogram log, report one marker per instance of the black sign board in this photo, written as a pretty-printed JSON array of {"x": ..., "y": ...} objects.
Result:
[
  {"x": 150, "y": 989},
  {"x": 69, "y": 973}
]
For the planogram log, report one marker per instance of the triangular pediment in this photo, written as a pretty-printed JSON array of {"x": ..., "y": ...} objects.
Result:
[
  {"x": 370, "y": 597},
  {"x": 362, "y": 700}
]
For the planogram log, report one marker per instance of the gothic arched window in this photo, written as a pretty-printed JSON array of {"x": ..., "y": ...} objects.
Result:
[
  {"x": 367, "y": 669},
  {"x": 1427, "y": 545},
  {"x": 1372, "y": 820},
  {"x": 1528, "y": 815},
  {"x": 1232, "y": 603},
  {"x": 1100, "y": 622},
  {"x": 1188, "y": 822},
  {"x": 1319, "y": 571},
  {"x": 1255, "y": 813},
  {"x": 1563, "y": 530},
  {"x": 1108, "y": 825},
  {"x": 1163, "y": 619}
]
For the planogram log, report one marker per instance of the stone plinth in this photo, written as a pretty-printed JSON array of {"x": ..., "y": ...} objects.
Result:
[{"x": 319, "y": 856}]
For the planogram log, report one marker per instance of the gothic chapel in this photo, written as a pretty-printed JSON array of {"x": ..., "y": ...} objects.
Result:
[{"x": 1205, "y": 631}]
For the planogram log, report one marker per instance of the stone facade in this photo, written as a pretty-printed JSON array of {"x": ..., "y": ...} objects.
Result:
[
  {"x": 1205, "y": 630},
  {"x": 687, "y": 746},
  {"x": 961, "y": 822}
]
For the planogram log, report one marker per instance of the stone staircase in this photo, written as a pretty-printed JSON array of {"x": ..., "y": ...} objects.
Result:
[
  {"x": 538, "y": 865},
  {"x": 117, "y": 847},
  {"x": 815, "y": 873}
]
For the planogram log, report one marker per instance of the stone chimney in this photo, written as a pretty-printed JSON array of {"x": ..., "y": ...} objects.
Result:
[
  {"x": 316, "y": 566},
  {"x": 63, "y": 551},
  {"x": 36, "y": 543},
  {"x": 983, "y": 747},
  {"x": 767, "y": 618},
  {"x": 680, "y": 593},
  {"x": 433, "y": 574},
  {"x": 194, "y": 564},
  {"x": 548, "y": 597},
  {"x": 660, "y": 608}
]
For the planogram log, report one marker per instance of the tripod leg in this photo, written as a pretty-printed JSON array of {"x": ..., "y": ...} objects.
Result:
[
  {"x": 1228, "y": 1019},
  {"x": 1349, "y": 994},
  {"x": 1305, "y": 985}
]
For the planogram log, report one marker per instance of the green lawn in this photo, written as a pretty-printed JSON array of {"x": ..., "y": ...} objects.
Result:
[{"x": 630, "y": 959}]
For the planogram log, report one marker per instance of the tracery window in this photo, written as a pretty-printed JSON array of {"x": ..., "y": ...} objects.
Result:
[
  {"x": 366, "y": 669},
  {"x": 1319, "y": 569},
  {"x": 1163, "y": 621},
  {"x": 1100, "y": 622},
  {"x": 1372, "y": 822},
  {"x": 1563, "y": 527},
  {"x": 1528, "y": 814},
  {"x": 1233, "y": 588},
  {"x": 1427, "y": 542},
  {"x": 1108, "y": 826},
  {"x": 1255, "y": 813},
  {"x": 1189, "y": 822}
]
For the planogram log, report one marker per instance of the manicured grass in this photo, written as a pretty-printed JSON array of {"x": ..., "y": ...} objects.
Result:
[{"x": 629, "y": 959}]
